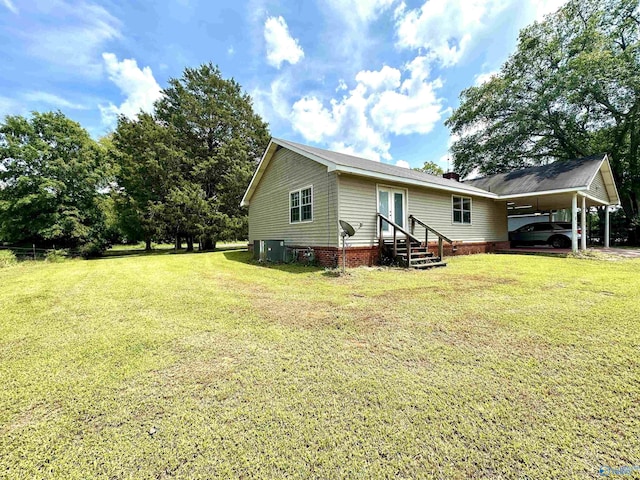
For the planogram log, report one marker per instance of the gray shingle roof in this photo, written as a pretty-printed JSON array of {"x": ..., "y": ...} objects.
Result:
[
  {"x": 401, "y": 173},
  {"x": 559, "y": 175}
]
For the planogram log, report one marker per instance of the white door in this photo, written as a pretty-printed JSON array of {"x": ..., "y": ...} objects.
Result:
[{"x": 391, "y": 204}]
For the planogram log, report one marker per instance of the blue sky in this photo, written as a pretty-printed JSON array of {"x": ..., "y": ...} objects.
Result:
[{"x": 375, "y": 78}]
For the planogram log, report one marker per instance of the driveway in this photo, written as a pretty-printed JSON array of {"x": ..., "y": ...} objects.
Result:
[
  {"x": 621, "y": 252},
  {"x": 550, "y": 251}
]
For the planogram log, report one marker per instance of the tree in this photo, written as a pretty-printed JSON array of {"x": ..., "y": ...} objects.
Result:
[
  {"x": 186, "y": 212},
  {"x": 220, "y": 139},
  {"x": 51, "y": 176},
  {"x": 431, "y": 168},
  {"x": 571, "y": 89},
  {"x": 148, "y": 166}
]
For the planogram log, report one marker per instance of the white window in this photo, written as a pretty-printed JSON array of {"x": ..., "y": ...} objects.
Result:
[
  {"x": 461, "y": 210},
  {"x": 301, "y": 205}
]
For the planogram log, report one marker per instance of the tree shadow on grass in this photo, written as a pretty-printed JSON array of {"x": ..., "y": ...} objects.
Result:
[
  {"x": 141, "y": 252},
  {"x": 243, "y": 256}
]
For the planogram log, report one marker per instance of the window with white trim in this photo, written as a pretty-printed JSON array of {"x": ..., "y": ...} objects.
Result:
[
  {"x": 461, "y": 210},
  {"x": 301, "y": 205}
]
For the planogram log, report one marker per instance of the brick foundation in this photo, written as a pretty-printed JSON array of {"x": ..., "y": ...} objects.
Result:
[
  {"x": 368, "y": 256},
  {"x": 468, "y": 248},
  {"x": 360, "y": 256},
  {"x": 332, "y": 257}
]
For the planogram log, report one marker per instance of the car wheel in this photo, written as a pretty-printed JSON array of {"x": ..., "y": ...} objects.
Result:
[{"x": 560, "y": 242}]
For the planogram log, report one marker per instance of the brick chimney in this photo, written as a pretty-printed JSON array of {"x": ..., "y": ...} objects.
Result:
[{"x": 452, "y": 176}]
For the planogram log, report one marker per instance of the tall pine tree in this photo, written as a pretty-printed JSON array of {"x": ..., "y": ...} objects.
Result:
[{"x": 220, "y": 138}]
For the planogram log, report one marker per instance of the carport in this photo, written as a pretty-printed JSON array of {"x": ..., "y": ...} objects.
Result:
[{"x": 576, "y": 184}]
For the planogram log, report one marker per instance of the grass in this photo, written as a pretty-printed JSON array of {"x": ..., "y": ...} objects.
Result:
[
  {"x": 206, "y": 365},
  {"x": 166, "y": 248}
]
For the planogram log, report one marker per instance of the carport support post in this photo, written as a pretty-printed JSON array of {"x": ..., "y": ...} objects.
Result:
[
  {"x": 606, "y": 226},
  {"x": 583, "y": 224},
  {"x": 574, "y": 223}
]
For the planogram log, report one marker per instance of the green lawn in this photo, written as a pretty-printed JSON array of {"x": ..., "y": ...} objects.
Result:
[{"x": 205, "y": 365}]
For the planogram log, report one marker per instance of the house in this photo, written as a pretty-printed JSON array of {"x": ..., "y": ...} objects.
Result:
[{"x": 299, "y": 193}]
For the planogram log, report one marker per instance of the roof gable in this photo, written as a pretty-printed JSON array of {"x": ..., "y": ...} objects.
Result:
[{"x": 609, "y": 182}]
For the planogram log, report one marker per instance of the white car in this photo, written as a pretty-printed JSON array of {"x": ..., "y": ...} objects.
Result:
[{"x": 556, "y": 234}]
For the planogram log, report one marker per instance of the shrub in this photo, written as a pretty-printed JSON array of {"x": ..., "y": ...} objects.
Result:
[
  {"x": 7, "y": 258},
  {"x": 91, "y": 249},
  {"x": 56, "y": 256}
]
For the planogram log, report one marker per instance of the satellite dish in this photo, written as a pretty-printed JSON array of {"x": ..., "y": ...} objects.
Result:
[{"x": 347, "y": 229}]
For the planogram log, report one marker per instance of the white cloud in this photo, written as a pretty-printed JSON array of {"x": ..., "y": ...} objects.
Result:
[
  {"x": 403, "y": 164},
  {"x": 345, "y": 127},
  {"x": 481, "y": 78},
  {"x": 9, "y": 4},
  {"x": 272, "y": 104},
  {"x": 359, "y": 11},
  {"x": 381, "y": 104},
  {"x": 54, "y": 100},
  {"x": 399, "y": 11},
  {"x": 231, "y": 51},
  {"x": 281, "y": 46},
  {"x": 445, "y": 28},
  {"x": 312, "y": 120},
  {"x": 384, "y": 79},
  {"x": 544, "y": 7},
  {"x": 71, "y": 35},
  {"x": 448, "y": 28},
  {"x": 138, "y": 86},
  {"x": 415, "y": 107}
]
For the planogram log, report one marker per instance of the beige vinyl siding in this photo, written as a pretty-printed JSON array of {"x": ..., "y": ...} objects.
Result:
[
  {"x": 433, "y": 207},
  {"x": 598, "y": 189},
  {"x": 358, "y": 203},
  {"x": 269, "y": 206}
]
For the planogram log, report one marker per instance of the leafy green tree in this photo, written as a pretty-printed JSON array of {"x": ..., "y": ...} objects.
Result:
[
  {"x": 147, "y": 167},
  {"x": 221, "y": 140},
  {"x": 186, "y": 213},
  {"x": 432, "y": 168},
  {"x": 51, "y": 178},
  {"x": 571, "y": 89}
]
